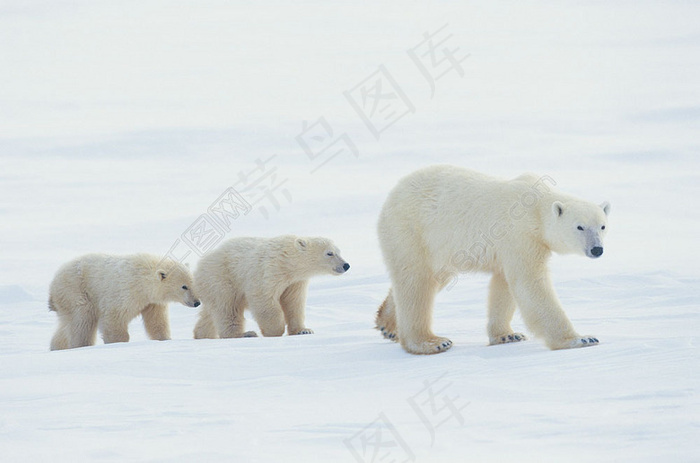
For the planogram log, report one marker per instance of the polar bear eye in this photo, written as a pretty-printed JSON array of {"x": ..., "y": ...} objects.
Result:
[
  {"x": 185, "y": 288},
  {"x": 580, "y": 227},
  {"x": 329, "y": 254},
  {"x": 603, "y": 227}
]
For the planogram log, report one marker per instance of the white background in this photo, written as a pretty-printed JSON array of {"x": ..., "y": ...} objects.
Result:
[{"x": 121, "y": 122}]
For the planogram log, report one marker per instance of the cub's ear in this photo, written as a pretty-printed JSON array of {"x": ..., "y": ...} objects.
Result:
[
  {"x": 606, "y": 207},
  {"x": 162, "y": 274},
  {"x": 557, "y": 208},
  {"x": 300, "y": 244}
]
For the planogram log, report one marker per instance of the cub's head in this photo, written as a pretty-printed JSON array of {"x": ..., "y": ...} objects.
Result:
[
  {"x": 321, "y": 256},
  {"x": 176, "y": 284},
  {"x": 577, "y": 227}
]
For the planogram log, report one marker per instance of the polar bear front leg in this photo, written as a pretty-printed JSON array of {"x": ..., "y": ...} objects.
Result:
[
  {"x": 414, "y": 296},
  {"x": 156, "y": 321},
  {"x": 114, "y": 329},
  {"x": 293, "y": 302},
  {"x": 501, "y": 308},
  {"x": 268, "y": 314},
  {"x": 542, "y": 311}
]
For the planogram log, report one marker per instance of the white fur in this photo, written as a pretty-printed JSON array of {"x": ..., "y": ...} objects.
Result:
[
  {"x": 267, "y": 275},
  {"x": 443, "y": 220},
  {"x": 107, "y": 292}
]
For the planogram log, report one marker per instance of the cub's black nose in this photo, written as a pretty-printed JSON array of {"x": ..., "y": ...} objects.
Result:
[
  {"x": 196, "y": 304},
  {"x": 597, "y": 251},
  {"x": 346, "y": 266}
]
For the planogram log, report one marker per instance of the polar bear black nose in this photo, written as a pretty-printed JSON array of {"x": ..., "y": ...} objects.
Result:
[
  {"x": 196, "y": 303},
  {"x": 597, "y": 251},
  {"x": 346, "y": 266}
]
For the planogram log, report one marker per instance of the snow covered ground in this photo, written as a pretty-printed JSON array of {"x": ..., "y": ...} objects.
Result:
[{"x": 122, "y": 123}]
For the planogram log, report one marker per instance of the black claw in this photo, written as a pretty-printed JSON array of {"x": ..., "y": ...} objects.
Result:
[
  {"x": 595, "y": 339},
  {"x": 584, "y": 341},
  {"x": 517, "y": 338},
  {"x": 503, "y": 338}
]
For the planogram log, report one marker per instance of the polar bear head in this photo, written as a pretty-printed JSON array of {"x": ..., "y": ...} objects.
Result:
[
  {"x": 577, "y": 227},
  {"x": 176, "y": 285},
  {"x": 320, "y": 255}
]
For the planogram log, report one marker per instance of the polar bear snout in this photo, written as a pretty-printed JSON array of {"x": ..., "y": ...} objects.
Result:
[
  {"x": 342, "y": 268},
  {"x": 597, "y": 251},
  {"x": 192, "y": 302}
]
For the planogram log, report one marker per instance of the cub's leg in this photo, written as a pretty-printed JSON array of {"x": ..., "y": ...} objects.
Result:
[
  {"x": 60, "y": 339},
  {"x": 293, "y": 302},
  {"x": 228, "y": 317},
  {"x": 156, "y": 321},
  {"x": 501, "y": 308},
  {"x": 82, "y": 326},
  {"x": 268, "y": 314},
  {"x": 114, "y": 327},
  {"x": 204, "y": 328}
]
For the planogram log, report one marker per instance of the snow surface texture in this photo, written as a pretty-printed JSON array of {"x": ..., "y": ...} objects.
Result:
[{"x": 122, "y": 122}]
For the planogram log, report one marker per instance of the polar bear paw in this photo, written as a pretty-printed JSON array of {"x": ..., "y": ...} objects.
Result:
[
  {"x": 390, "y": 335},
  {"x": 575, "y": 342},
  {"x": 304, "y": 331},
  {"x": 432, "y": 345},
  {"x": 507, "y": 338},
  {"x": 584, "y": 341}
]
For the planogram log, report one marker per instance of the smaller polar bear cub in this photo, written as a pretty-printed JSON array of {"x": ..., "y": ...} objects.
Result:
[
  {"x": 268, "y": 276},
  {"x": 107, "y": 292}
]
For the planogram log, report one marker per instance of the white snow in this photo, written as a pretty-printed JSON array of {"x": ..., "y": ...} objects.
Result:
[{"x": 122, "y": 122}]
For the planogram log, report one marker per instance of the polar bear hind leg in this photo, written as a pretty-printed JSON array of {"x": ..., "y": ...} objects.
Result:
[
  {"x": 414, "y": 295},
  {"x": 501, "y": 307},
  {"x": 386, "y": 318}
]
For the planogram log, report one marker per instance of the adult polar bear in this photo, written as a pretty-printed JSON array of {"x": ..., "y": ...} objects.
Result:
[{"x": 442, "y": 220}]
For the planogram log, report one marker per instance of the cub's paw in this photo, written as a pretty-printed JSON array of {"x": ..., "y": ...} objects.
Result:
[
  {"x": 249, "y": 334},
  {"x": 507, "y": 338},
  {"x": 432, "y": 345},
  {"x": 390, "y": 335},
  {"x": 305, "y": 331}
]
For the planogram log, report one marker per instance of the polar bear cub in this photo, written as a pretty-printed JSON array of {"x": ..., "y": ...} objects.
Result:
[
  {"x": 443, "y": 220},
  {"x": 107, "y": 292},
  {"x": 268, "y": 276}
]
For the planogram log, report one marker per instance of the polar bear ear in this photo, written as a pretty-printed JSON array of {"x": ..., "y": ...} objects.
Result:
[
  {"x": 557, "y": 208},
  {"x": 300, "y": 243},
  {"x": 162, "y": 274},
  {"x": 606, "y": 207}
]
